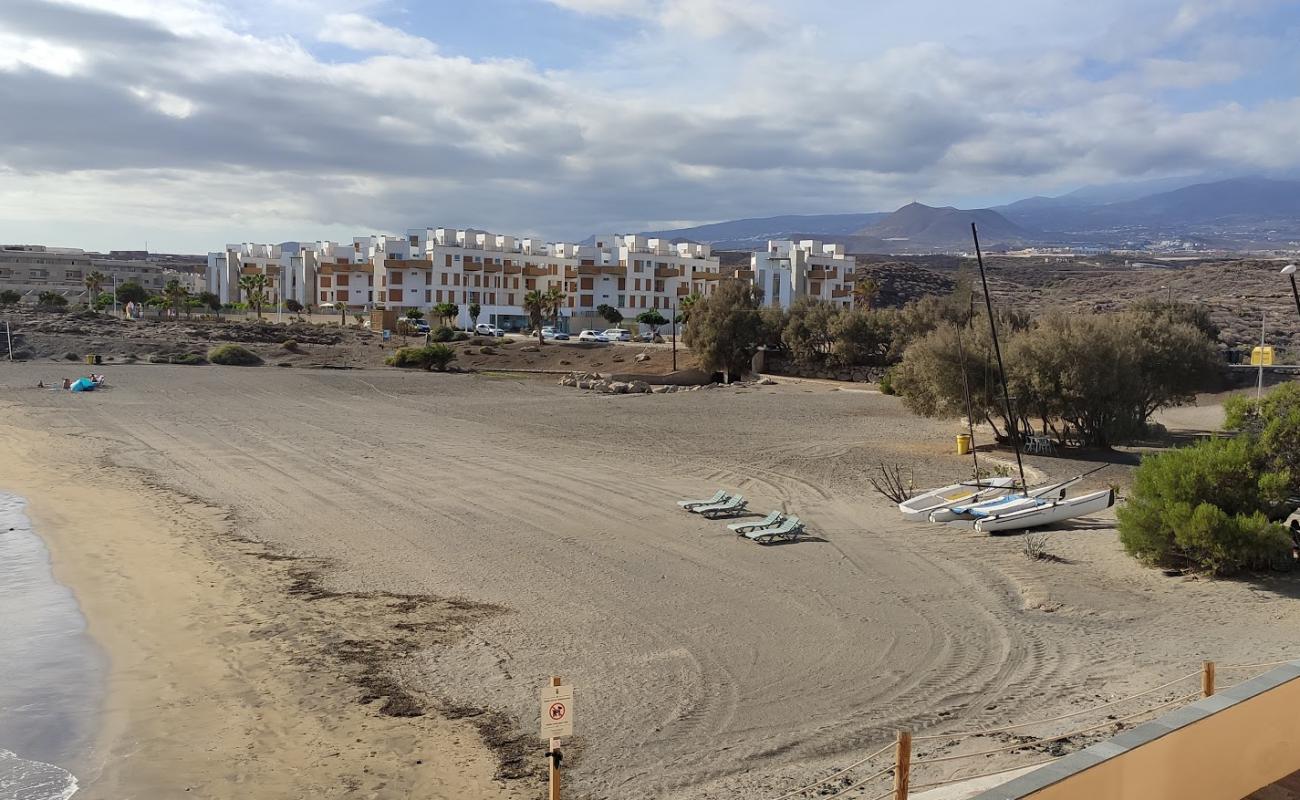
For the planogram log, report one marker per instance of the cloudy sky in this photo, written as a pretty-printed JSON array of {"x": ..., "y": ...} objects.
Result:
[{"x": 192, "y": 123}]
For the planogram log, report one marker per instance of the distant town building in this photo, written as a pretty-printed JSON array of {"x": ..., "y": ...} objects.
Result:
[{"x": 33, "y": 269}]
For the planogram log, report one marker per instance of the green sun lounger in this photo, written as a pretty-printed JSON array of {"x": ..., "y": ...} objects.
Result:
[
  {"x": 788, "y": 531},
  {"x": 719, "y": 497},
  {"x": 729, "y": 508},
  {"x": 773, "y": 519}
]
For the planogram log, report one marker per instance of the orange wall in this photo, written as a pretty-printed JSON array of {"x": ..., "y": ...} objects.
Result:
[{"x": 1224, "y": 756}]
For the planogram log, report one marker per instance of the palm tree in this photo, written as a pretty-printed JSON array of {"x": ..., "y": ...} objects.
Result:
[
  {"x": 176, "y": 294},
  {"x": 536, "y": 305},
  {"x": 254, "y": 287},
  {"x": 554, "y": 300},
  {"x": 94, "y": 285},
  {"x": 865, "y": 292},
  {"x": 688, "y": 302}
]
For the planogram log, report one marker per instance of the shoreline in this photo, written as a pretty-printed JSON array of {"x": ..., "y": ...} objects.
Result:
[{"x": 205, "y": 690}]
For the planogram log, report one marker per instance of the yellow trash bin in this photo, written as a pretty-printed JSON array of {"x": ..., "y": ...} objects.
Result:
[{"x": 963, "y": 444}]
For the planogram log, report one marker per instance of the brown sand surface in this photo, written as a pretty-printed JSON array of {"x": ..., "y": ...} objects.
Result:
[{"x": 705, "y": 666}]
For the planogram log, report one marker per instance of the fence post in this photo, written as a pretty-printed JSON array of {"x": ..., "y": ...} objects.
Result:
[
  {"x": 553, "y": 770},
  {"x": 1207, "y": 679},
  {"x": 902, "y": 764}
]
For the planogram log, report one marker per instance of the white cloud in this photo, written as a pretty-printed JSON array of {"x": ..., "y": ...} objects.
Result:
[
  {"x": 362, "y": 33},
  {"x": 707, "y": 19},
  {"x": 232, "y": 130},
  {"x": 17, "y": 52}
]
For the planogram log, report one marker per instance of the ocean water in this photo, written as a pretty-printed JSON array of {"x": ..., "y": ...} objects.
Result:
[{"x": 53, "y": 672}]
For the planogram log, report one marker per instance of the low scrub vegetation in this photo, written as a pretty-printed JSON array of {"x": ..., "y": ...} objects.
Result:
[
  {"x": 233, "y": 355},
  {"x": 430, "y": 357}
]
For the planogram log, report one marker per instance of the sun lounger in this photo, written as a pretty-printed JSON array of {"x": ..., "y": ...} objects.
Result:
[
  {"x": 690, "y": 505},
  {"x": 770, "y": 521},
  {"x": 787, "y": 531},
  {"x": 729, "y": 508}
]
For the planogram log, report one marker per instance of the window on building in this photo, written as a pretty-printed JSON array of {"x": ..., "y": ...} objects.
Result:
[
  {"x": 415, "y": 241},
  {"x": 456, "y": 279},
  {"x": 457, "y": 257},
  {"x": 324, "y": 296},
  {"x": 72, "y": 275},
  {"x": 622, "y": 284},
  {"x": 622, "y": 301},
  {"x": 428, "y": 296},
  {"x": 510, "y": 299},
  {"x": 395, "y": 278}
]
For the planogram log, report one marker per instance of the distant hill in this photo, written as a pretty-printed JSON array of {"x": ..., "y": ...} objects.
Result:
[
  {"x": 1237, "y": 199},
  {"x": 751, "y": 233},
  {"x": 926, "y": 226},
  {"x": 1235, "y": 214}
]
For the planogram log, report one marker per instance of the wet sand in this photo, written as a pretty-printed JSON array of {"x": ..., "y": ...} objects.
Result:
[{"x": 706, "y": 666}]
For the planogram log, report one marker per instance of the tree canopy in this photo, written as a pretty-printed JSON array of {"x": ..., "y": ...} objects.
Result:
[{"x": 725, "y": 328}]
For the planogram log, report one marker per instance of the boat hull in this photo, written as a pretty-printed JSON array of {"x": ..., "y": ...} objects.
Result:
[{"x": 1055, "y": 511}]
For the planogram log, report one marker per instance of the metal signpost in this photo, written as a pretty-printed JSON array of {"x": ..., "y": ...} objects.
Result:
[{"x": 556, "y": 724}]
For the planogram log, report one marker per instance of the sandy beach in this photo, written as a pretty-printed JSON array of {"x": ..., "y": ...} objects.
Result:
[{"x": 284, "y": 564}]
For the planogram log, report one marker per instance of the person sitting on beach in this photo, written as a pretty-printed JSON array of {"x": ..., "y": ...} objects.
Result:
[{"x": 67, "y": 383}]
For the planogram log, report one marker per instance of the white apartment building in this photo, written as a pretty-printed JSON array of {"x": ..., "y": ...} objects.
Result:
[
  {"x": 289, "y": 267},
  {"x": 430, "y": 266},
  {"x": 788, "y": 270}
]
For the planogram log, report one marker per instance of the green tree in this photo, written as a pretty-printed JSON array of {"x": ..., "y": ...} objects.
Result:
[
  {"x": 1274, "y": 423},
  {"x": 686, "y": 304},
  {"x": 610, "y": 314},
  {"x": 293, "y": 306},
  {"x": 415, "y": 313},
  {"x": 131, "y": 292},
  {"x": 176, "y": 295},
  {"x": 51, "y": 300},
  {"x": 929, "y": 378},
  {"x": 474, "y": 310},
  {"x": 342, "y": 308},
  {"x": 726, "y": 328},
  {"x": 555, "y": 300},
  {"x": 94, "y": 285},
  {"x": 1209, "y": 505},
  {"x": 865, "y": 292},
  {"x": 211, "y": 301},
  {"x": 860, "y": 337},
  {"x": 254, "y": 289},
  {"x": 653, "y": 319},
  {"x": 447, "y": 312},
  {"x": 535, "y": 306},
  {"x": 809, "y": 329},
  {"x": 9, "y": 297},
  {"x": 103, "y": 300}
]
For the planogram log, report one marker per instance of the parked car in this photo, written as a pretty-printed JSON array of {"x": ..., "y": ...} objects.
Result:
[
  {"x": 417, "y": 325},
  {"x": 484, "y": 329},
  {"x": 558, "y": 336},
  {"x": 588, "y": 335},
  {"x": 618, "y": 335}
]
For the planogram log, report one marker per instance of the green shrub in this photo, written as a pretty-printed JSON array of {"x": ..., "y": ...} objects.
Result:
[
  {"x": 429, "y": 357},
  {"x": 188, "y": 359},
  {"x": 9, "y": 297},
  {"x": 71, "y": 357},
  {"x": 887, "y": 382},
  {"x": 233, "y": 355},
  {"x": 442, "y": 334},
  {"x": 1208, "y": 504},
  {"x": 290, "y": 345},
  {"x": 51, "y": 300}
]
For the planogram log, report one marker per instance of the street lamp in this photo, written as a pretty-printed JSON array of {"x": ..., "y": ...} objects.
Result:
[{"x": 1289, "y": 271}]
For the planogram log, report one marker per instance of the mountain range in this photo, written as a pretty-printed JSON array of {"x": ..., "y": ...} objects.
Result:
[{"x": 1250, "y": 213}]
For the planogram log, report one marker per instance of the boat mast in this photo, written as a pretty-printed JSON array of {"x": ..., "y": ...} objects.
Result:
[
  {"x": 1014, "y": 428},
  {"x": 970, "y": 414}
]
